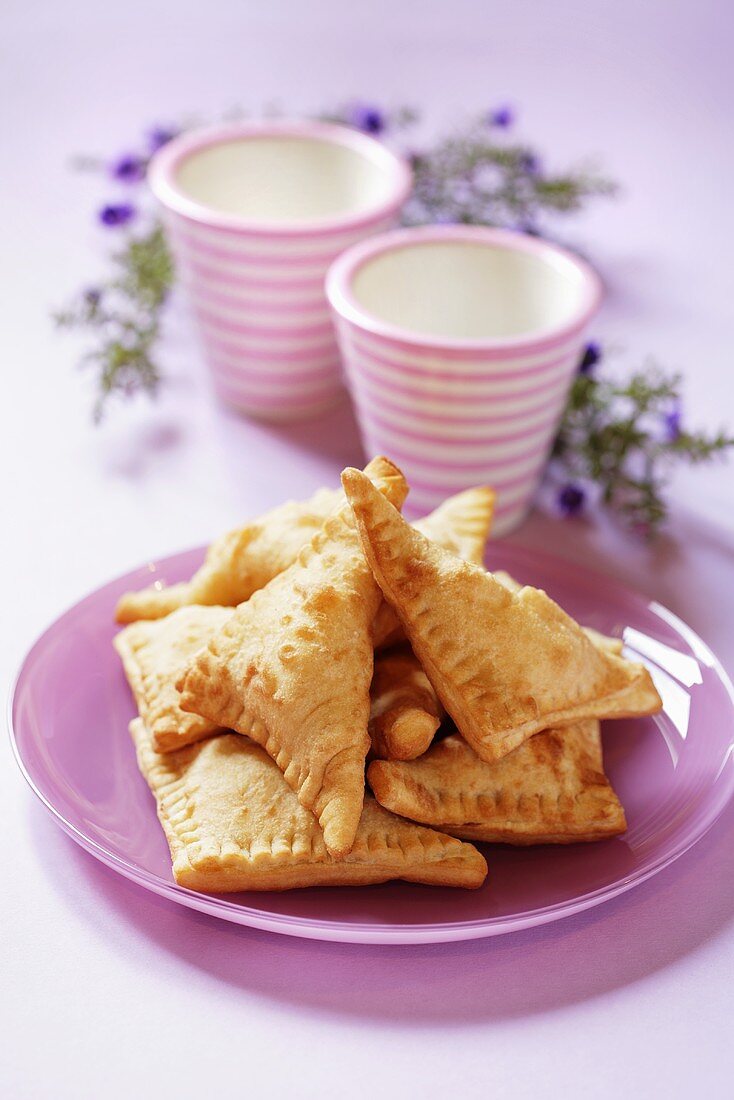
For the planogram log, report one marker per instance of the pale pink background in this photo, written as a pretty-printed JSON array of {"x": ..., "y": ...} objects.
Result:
[{"x": 110, "y": 992}]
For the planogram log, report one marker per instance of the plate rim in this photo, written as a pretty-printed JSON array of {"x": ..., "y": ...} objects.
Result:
[{"x": 326, "y": 930}]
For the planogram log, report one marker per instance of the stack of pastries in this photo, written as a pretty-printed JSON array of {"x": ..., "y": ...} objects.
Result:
[{"x": 338, "y": 697}]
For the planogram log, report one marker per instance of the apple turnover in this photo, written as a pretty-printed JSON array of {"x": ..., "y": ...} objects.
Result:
[
  {"x": 505, "y": 665},
  {"x": 550, "y": 790},
  {"x": 240, "y": 562},
  {"x": 233, "y": 823},
  {"x": 292, "y": 669},
  {"x": 154, "y": 654}
]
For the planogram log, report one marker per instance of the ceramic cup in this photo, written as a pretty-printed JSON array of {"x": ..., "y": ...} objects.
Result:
[
  {"x": 255, "y": 213},
  {"x": 459, "y": 345}
]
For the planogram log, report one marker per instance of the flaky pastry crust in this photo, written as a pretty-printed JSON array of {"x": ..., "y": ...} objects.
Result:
[
  {"x": 240, "y": 562},
  {"x": 461, "y": 525},
  {"x": 550, "y": 790},
  {"x": 405, "y": 711},
  {"x": 505, "y": 665},
  {"x": 292, "y": 668},
  {"x": 233, "y": 823},
  {"x": 154, "y": 654}
]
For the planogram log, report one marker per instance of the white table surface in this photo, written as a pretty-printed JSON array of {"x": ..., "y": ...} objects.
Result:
[{"x": 108, "y": 991}]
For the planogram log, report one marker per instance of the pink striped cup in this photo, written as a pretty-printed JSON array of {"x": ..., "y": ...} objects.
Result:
[
  {"x": 255, "y": 214},
  {"x": 459, "y": 345}
]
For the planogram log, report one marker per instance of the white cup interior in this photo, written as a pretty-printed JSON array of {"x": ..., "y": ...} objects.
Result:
[
  {"x": 469, "y": 290},
  {"x": 283, "y": 178}
]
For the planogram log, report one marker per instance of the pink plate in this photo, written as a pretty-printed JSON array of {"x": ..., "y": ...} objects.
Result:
[{"x": 674, "y": 774}]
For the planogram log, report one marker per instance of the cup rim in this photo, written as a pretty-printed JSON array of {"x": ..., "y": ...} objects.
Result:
[
  {"x": 164, "y": 164},
  {"x": 341, "y": 274}
]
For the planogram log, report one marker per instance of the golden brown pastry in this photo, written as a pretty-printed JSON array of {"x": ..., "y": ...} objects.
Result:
[
  {"x": 292, "y": 668},
  {"x": 154, "y": 654},
  {"x": 232, "y": 823},
  {"x": 550, "y": 790},
  {"x": 460, "y": 524},
  {"x": 505, "y": 665},
  {"x": 405, "y": 711},
  {"x": 240, "y": 562},
  {"x": 604, "y": 641}
]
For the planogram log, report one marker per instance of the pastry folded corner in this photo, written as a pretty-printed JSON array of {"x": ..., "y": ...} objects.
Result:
[
  {"x": 239, "y": 562},
  {"x": 603, "y": 641},
  {"x": 154, "y": 654},
  {"x": 461, "y": 525}
]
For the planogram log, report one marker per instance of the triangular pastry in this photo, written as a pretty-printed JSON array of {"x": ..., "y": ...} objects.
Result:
[
  {"x": 232, "y": 823},
  {"x": 505, "y": 665},
  {"x": 604, "y": 641},
  {"x": 292, "y": 668},
  {"x": 405, "y": 711},
  {"x": 460, "y": 524},
  {"x": 240, "y": 562},
  {"x": 154, "y": 654},
  {"x": 550, "y": 790}
]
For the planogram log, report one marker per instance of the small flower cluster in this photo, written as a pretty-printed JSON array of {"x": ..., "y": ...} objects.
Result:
[
  {"x": 481, "y": 176},
  {"x": 124, "y": 313},
  {"x": 130, "y": 168},
  {"x": 372, "y": 119},
  {"x": 621, "y": 439}
]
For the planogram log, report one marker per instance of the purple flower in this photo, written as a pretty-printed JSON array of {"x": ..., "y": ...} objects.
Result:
[
  {"x": 571, "y": 499},
  {"x": 528, "y": 228},
  {"x": 160, "y": 136},
  {"x": 672, "y": 421},
  {"x": 92, "y": 297},
  {"x": 529, "y": 163},
  {"x": 591, "y": 356},
  {"x": 129, "y": 168},
  {"x": 502, "y": 116},
  {"x": 367, "y": 118},
  {"x": 117, "y": 213}
]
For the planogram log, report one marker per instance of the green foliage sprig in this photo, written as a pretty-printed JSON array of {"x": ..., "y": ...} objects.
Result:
[
  {"x": 124, "y": 313},
  {"x": 624, "y": 437},
  {"x": 477, "y": 178}
]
